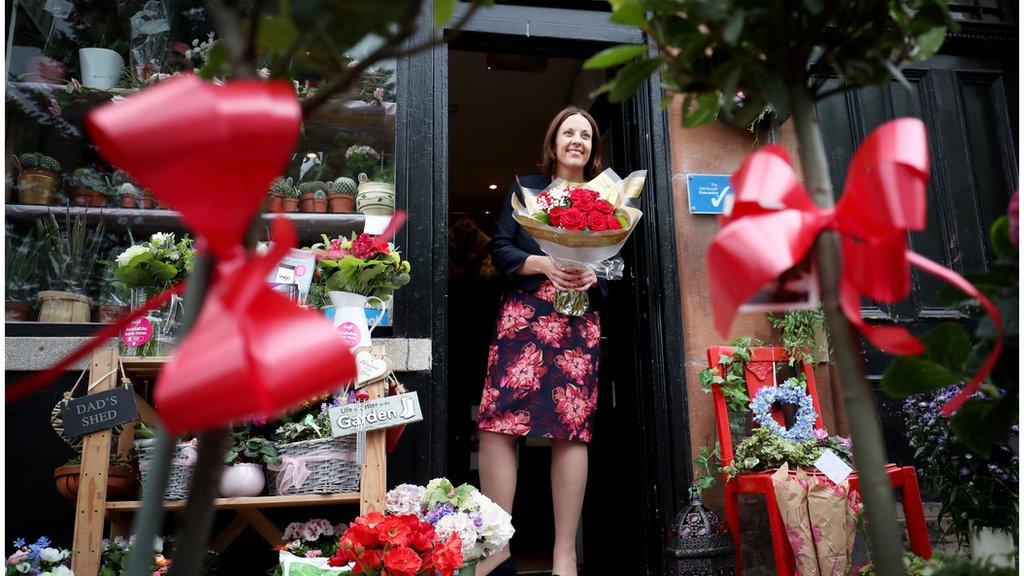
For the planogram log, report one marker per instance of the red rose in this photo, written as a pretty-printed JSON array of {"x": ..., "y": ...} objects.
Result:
[
  {"x": 572, "y": 219},
  {"x": 597, "y": 221},
  {"x": 369, "y": 560},
  {"x": 613, "y": 222},
  {"x": 368, "y": 246},
  {"x": 402, "y": 561},
  {"x": 585, "y": 204},
  {"x": 447, "y": 556},
  {"x": 395, "y": 530},
  {"x": 604, "y": 207},
  {"x": 555, "y": 215},
  {"x": 577, "y": 194}
]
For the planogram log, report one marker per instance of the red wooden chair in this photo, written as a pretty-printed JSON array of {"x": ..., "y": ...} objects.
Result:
[{"x": 758, "y": 373}]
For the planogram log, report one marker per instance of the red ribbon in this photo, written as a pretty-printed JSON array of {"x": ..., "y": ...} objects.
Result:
[
  {"x": 210, "y": 152},
  {"x": 774, "y": 223}
]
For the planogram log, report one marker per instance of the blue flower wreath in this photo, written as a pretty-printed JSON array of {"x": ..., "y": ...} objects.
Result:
[{"x": 789, "y": 392}]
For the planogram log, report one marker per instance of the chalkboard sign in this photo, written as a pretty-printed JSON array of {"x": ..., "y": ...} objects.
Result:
[
  {"x": 375, "y": 414},
  {"x": 95, "y": 412}
]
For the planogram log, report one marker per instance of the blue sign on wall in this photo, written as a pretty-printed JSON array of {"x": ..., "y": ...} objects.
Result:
[{"x": 708, "y": 192}]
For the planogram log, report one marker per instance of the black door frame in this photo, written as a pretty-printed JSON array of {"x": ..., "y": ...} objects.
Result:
[{"x": 422, "y": 174}]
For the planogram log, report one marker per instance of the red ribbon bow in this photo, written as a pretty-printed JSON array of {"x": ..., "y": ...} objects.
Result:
[
  {"x": 210, "y": 152},
  {"x": 774, "y": 223}
]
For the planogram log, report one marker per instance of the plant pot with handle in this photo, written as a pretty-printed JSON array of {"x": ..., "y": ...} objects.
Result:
[
  {"x": 243, "y": 479},
  {"x": 15, "y": 311},
  {"x": 101, "y": 68},
  {"x": 121, "y": 482},
  {"x": 376, "y": 198}
]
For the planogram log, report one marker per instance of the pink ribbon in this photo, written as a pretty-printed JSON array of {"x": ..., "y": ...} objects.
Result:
[{"x": 293, "y": 470}]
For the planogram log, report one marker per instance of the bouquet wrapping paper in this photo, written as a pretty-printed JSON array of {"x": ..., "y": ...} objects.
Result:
[{"x": 820, "y": 523}]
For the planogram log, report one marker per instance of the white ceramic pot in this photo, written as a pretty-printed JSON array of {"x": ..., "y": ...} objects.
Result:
[
  {"x": 995, "y": 546},
  {"x": 101, "y": 68},
  {"x": 375, "y": 197},
  {"x": 350, "y": 318},
  {"x": 245, "y": 479}
]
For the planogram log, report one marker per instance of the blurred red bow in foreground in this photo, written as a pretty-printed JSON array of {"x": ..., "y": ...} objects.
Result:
[
  {"x": 774, "y": 223},
  {"x": 210, "y": 152}
]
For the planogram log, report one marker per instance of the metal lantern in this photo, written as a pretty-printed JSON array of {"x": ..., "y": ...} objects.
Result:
[{"x": 699, "y": 543}]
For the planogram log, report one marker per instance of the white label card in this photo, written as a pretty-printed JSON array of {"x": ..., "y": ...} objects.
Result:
[
  {"x": 833, "y": 467},
  {"x": 376, "y": 224}
]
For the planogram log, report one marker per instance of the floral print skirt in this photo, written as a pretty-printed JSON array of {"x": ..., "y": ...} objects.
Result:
[{"x": 541, "y": 369}]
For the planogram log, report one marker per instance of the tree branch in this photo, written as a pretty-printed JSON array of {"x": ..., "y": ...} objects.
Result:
[
  {"x": 254, "y": 27},
  {"x": 230, "y": 31}
]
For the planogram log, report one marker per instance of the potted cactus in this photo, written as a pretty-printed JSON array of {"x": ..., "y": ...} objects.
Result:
[
  {"x": 377, "y": 194},
  {"x": 128, "y": 195},
  {"x": 39, "y": 178},
  {"x": 307, "y": 193},
  {"x": 341, "y": 195},
  {"x": 361, "y": 159},
  {"x": 277, "y": 193},
  {"x": 290, "y": 202},
  {"x": 89, "y": 187},
  {"x": 70, "y": 252},
  {"x": 320, "y": 201}
]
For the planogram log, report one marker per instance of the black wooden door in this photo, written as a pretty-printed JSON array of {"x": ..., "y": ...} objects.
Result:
[{"x": 968, "y": 103}]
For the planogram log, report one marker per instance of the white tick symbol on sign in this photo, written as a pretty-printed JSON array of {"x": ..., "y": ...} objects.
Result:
[{"x": 717, "y": 200}]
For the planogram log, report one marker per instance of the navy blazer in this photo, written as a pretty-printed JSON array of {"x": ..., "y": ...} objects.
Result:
[{"x": 511, "y": 245}]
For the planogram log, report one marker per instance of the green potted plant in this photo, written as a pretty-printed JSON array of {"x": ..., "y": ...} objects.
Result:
[
  {"x": 376, "y": 192},
  {"x": 39, "y": 178},
  {"x": 307, "y": 194},
  {"x": 290, "y": 202},
  {"x": 277, "y": 193},
  {"x": 361, "y": 159},
  {"x": 70, "y": 252},
  {"x": 128, "y": 195},
  {"x": 342, "y": 195},
  {"x": 88, "y": 187},
  {"x": 320, "y": 199},
  {"x": 113, "y": 296},
  {"x": 243, "y": 471},
  {"x": 22, "y": 268}
]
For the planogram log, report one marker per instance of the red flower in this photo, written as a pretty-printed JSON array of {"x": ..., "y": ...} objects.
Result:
[
  {"x": 604, "y": 207},
  {"x": 555, "y": 215},
  {"x": 550, "y": 329},
  {"x": 422, "y": 538},
  {"x": 447, "y": 555},
  {"x": 514, "y": 317},
  {"x": 584, "y": 204},
  {"x": 613, "y": 222},
  {"x": 368, "y": 245},
  {"x": 597, "y": 221},
  {"x": 577, "y": 194},
  {"x": 573, "y": 219},
  {"x": 369, "y": 560},
  {"x": 395, "y": 531},
  {"x": 402, "y": 561}
]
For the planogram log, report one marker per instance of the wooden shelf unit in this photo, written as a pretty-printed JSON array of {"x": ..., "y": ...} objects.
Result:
[{"x": 93, "y": 509}]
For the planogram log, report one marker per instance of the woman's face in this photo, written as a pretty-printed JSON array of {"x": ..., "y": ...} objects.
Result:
[{"x": 572, "y": 142}]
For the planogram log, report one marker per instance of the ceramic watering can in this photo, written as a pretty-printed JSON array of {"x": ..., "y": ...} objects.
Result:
[{"x": 350, "y": 318}]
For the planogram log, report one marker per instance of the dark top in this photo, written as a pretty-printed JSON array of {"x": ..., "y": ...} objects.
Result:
[{"x": 511, "y": 245}]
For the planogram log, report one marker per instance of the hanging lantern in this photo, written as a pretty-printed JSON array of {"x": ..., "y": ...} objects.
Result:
[{"x": 699, "y": 543}]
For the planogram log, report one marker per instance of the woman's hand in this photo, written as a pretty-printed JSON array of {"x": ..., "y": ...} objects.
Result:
[
  {"x": 562, "y": 279},
  {"x": 586, "y": 280}
]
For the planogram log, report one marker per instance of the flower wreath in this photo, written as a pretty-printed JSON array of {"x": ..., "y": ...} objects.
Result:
[{"x": 789, "y": 392}]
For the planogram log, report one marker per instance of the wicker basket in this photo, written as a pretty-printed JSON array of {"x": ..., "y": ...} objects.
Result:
[
  {"x": 180, "y": 476},
  {"x": 332, "y": 476}
]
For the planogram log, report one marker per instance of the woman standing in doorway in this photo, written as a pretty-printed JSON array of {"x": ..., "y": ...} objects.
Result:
[{"x": 542, "y": 366}]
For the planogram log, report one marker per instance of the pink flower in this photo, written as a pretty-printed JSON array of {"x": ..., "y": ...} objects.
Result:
[
  {"x": 816, "y": 534},
  {"x": 378, "y": 93},
  {"x": 525, "y": 372},
  {"x": 514, "y": 317},
  {"x": 508, "y": 423},
  {"x": 492, "y": 357},
  {"x": 487, "y": 401},
  {"x": 574, "y": 405},
  {"x": 546, "y": 291},
  {"x": 313, "y": 554},
  {"x": 17, "y": 557},
  {"x": 576, "y": 364},
  {"x": 54, "y": 108},
  {"x": 848, "y": 442},
  {"x": 820, "y": 433},
  {"x": 551, "y": 329},
  {"x": 336, "y": 244},
  {"x": 591, "y": 330}
]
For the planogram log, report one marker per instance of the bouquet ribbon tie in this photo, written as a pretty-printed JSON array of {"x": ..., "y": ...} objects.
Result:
[
  {"x": 210, "y": 152},
  {"x": 774, "y": 223},
  {"x": 293, "y": 471}
]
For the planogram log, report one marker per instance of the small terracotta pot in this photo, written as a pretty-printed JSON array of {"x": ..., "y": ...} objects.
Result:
[
  {"x": 129, "y": 201},
  {"x": 108, "y": 313},
  {"x": 98, "y": 200},
  {"x": 274, "y": 203},
  {"x": 320, "y": 206},
  {"x": 306, "y": 202},
  {"x": 17, "y": 311},
  {"x": 81, "y": 197},
  {"x": 290, "y": 204},
  {"x": 121, "y": 482},
  {"x": 146, "y": 202},
  {"x": 342, "y": 203}
]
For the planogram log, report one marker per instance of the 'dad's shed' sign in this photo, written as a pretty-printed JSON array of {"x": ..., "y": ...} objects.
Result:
[{"x": 99, "y": 411}]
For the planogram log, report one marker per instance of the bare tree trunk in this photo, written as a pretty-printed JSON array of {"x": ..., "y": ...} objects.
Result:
[{"x": 869, "y": 451}]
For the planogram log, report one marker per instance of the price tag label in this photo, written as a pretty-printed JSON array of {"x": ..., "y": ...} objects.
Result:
[{"x": 833, "y": 467}]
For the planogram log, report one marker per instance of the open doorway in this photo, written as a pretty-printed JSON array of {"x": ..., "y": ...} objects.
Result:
[{"x": 502, "y": 92}]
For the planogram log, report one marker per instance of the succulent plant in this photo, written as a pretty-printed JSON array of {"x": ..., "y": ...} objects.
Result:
[
  {"x": 291, "y": 192},
  {"x": 89, "y": 179},
  {"x": 319, "y": 195},
  {"x": 344, "y": 186},
  {"x": 361, "y": 158},
  {"x": 311, "y": 187},
  {"x": 129, "y": 189},
  {"x": 281, "y": 186},
  {"x": 37, "y": 161}
]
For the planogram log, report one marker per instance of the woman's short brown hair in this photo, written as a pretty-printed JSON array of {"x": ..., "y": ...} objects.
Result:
[{"x": 549, "y": 156}]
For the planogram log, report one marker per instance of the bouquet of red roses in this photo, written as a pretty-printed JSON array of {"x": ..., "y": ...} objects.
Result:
[
  {"x": 400, "y": 545},
  {"x": 582, "y": 226}
]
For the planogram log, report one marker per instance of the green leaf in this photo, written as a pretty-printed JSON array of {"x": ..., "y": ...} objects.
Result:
[
  {"x": 981, "y": 423},
  {"x": 629, "y": 12},
  {"x": 276, "y": 35},
  {"x": 999, "y": 239},
  {"x": 216, "y": 62},
  {"x": 614, "y": 56},
  {"x": 705, "y": 110},
  {"x": 630, "y": 78},
  {"x": 1008, "y": 310},
  {"x": 542, "y": 217},
  {"x": 929, "y": 43},
  {"x": 911, "y": 375},
  {"x": 162, "y": 271},
  {"x": 948, "y": 345},
  {"x": 443, "y": 11}
]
